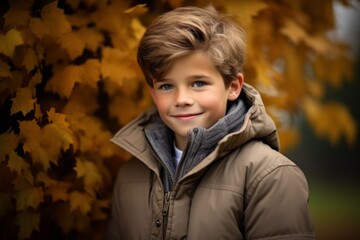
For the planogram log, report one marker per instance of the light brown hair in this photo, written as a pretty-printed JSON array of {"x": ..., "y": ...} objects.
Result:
[{"x": 184, "y": 30}]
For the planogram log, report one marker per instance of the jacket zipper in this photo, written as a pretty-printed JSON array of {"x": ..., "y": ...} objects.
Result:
[{"x": 165, "y": 212}]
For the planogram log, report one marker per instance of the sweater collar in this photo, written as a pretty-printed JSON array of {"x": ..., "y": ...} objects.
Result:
[{"x": 200, "y": 141}]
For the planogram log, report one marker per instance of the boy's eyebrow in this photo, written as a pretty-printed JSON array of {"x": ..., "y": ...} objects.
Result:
[{"x": 195, "y": 76}]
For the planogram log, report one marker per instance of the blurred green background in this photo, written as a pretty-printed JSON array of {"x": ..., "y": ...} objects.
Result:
[{"x": 333, "y": 172}]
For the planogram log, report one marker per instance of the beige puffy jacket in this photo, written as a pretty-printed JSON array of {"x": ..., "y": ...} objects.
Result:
[{"x": 243, "y": 190}]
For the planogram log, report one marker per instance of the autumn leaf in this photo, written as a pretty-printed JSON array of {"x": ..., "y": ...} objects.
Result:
[
  {"x": 16, "y": 17},
  {"x": 80, "y": 201},
  {"x": 89, "y": 172},
  {"x": 34, "y": 81},
  {"x": 23, "y": 101},
  {"x": 92, "y": 135},
  {"x": 10, "y": 41},
  {"x": 331, "y": 120},
  {"x": 20, "y": 166},
  {"x": 28, "y": 221},
  {"x": 8, "y": 142},
  {"x": 30, "y": 59},
  {"x": 116, "y": 66},
  {"x": 64, "y": 79},
  {"x": 245, "y": 10},
  {"x": 82, "y": 100},
  {"x": 294, "y": 31},
  {"x": 57, "y": 118},
  {"x": 72, "y": 43},
  {"x": 53, "y": 22},
  {"x": 5, "y": 70},
  {"x": 91, "y": 37},
  {"x": 26, "y": 194},
  {"x": 31, "y": 136},
  {"x": 91, "y": 73}
]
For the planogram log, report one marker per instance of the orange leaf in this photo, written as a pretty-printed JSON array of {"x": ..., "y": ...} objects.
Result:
[
  {"x": 117, "y": 66},
  {"x": 89, "y": 171},
  {"x": 57, "y": 118},
  {"x": 8, "y": 142},
  {"x": 28, "y": 221},
  {"x": 53, "y": 22},
  {"x": 64, "y": 79},
  {"x": 10, "y": 41},
  {"x": 91, "y": 73},
  {"x": 31, "y": 135},
  {"x": 91, "y": 37},
  {"x": 5, "y": 70},
  {"x": 72, "y": 43},
  {"x": 30, "y": 59},
  {"x": 245, "y": 9},
  {"x": 16, "y": 17},
  {"x": 29, "y": 197},
  {"x": 331, "y": 120},
  {"x": 80, "y": 201},
  {"x": 23, "y": 101},
  {"x": 19, "y": 165}
]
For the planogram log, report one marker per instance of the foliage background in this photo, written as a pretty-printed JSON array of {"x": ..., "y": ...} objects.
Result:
[{"x": 69, "y": 80}]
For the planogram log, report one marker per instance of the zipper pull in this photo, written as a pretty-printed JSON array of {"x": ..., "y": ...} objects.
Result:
[{"x": 166, "y": 204}]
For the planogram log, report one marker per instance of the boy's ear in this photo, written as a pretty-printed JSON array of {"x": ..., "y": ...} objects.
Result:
[
  {"x": 235, "y": 87},
  {"x": 151, "y": 89}
]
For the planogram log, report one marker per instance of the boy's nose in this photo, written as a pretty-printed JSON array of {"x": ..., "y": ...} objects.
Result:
[{"x": 183, "y": 98}]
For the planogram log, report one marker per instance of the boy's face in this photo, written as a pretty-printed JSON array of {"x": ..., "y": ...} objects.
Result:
[{"x": 193, "y": 94}]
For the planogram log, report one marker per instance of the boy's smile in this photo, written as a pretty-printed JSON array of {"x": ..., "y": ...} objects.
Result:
[{"x": 192, "y": 94}]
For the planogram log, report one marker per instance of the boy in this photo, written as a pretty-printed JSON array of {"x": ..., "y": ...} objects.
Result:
[{"x": 206, "y": 162}]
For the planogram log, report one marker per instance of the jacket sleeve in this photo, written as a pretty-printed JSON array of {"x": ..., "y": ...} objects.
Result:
[{"x": 277, "y": 206}]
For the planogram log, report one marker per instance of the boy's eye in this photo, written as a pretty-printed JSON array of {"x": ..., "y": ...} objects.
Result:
[
  {"x": 199, "y": 84},
  {"x": 166, "y": 87}
]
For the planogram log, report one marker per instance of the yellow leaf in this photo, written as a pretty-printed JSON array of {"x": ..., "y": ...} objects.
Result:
[
  {"x": 89, "y": 171},
  {"x": 58, "y": 193},
  {"x": 138, "y": 28},
  {"x": 16, "y": 17},
  {"x": 331, "y": 120},
  {"x": 38, "y": 27},
  {"x": 64, "y": 79},
  {"x": 91, "y": 72},
  {"x": 30, "y": 59},
  {"x": 46, "y": 179},
  {"x": 35, "y": 80},
  {"x": 80, "y": 201},
  {"x": 57, "y": 118},
  {"x": 5, "y": 70},
  {"x": 29, "y": 197},
  {"x": 28, "y": 221},
  {"x": 294, "y": 31},
  {"x": 117, "y": 66},
  {"x": 139, "y": 9},
  {"x": 91, "y": 37},
  {"x": 23, "y": 101},
  {"x": 31, "y": 135},
  {"x": 38, "y": 114},
  {"x": 10, "y": 41},
  {"x": 245, "y": 10},
  {"x": 82, "y": 100},
  {"x": 19, "y": 165},
  {"x": 8, "y": 142},
  {"x": 53, "y": 22},
  {"x": 72, "y": 43}
]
